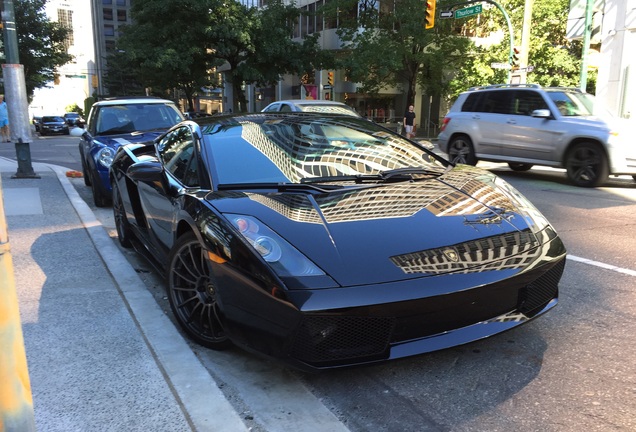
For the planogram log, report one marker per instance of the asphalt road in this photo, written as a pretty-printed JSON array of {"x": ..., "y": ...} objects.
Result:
[{"x": 573, "y": 369}]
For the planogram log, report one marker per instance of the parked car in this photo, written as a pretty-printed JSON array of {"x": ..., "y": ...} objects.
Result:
[
  {"x": 113, "y": 122},
  {"x": 310, "y": 105},
  {"x": 73, "y": 119},
  {"x": 325, "y": 240},
  {"x": 53, "y": 125},
  {"x": 528, "y": 125},
  {"x": 36, "y": 122}
]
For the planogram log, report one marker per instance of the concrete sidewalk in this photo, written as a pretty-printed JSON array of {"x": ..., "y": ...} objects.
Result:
[{"x": 102, "y": 355}]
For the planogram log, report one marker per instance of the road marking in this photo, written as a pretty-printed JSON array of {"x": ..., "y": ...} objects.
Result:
[{"x": 603, "y": 265}]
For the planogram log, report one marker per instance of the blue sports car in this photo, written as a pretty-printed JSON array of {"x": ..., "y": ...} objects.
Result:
[{"x": 326, "y": 240}]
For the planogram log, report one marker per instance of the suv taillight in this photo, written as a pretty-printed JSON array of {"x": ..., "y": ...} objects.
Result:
[{"x": 444, "y": 123}]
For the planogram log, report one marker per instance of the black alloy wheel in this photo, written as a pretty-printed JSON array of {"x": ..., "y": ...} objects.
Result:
[
  {"x": 586, "y": 165},
  {"x": 124, "y": 232},
  {"x": 461, "y": 150},
  {"x": 193, "y": 294},
  {"x": 519, "y": 166}
]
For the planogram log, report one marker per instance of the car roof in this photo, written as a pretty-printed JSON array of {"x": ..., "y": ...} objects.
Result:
[
  {"x": 132, "y": 100},
  {"x": 311, "y": 102}
]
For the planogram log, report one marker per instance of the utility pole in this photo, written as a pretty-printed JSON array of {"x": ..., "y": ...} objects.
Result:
[
  {"x": 16, "y": 400},
  {"x": 15, "y": 94},
  {"x": 587, "y": 34}
]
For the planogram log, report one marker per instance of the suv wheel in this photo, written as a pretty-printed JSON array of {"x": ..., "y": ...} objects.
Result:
[
  {"x": 519, "y": 166},
  {"x": 586, "y": 165},
  {"x": 460, "y": 150}
]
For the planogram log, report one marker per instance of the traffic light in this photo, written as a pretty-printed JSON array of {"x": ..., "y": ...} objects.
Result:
[
  {"x": 516, "y": 57},
  {"x": 330, "y": 78},
  {"x": 429, "y": 17}
]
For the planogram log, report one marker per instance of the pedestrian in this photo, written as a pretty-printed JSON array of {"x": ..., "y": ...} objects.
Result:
[
  {"x": 409, "y": 122},
  {"x": 4, "y": 120}
]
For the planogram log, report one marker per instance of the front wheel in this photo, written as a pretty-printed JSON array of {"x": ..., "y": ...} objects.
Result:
[
  {"x": 193, "y": 294},
  {"x": 586, "y": 165},
  {"x": 461, "y": 150},
  {"x": 124, "y": 232},
  {"x": 100, "y": 199}
]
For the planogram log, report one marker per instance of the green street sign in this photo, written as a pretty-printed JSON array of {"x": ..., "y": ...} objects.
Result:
[{"x": 469, "y": 11}]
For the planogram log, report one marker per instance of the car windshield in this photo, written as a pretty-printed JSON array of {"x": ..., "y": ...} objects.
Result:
[
  {"x": 327, "y": 108},
  {"x": 298, "y": 148},
  {"x": 573, "y": 103},
  {"x": 128, "y": 118},
  {"x": 52, "y": 119}
]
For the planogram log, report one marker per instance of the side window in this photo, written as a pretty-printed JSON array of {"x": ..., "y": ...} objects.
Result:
[
  {"x": 176, "y": 151},
  {"x": 285, "y": 108},
  {"x": 497, "y": 102},
  {"x": 471, "y": 104},
  {"x": 526, "y": 101},
  {"x": 272, "y": 108}
]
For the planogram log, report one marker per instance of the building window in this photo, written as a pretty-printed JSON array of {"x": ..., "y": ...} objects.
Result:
[
  {"x": 319, "y": 16},
  {"x": 311, "y": 19},
  {"x": 121, "y": 15},
  {"x": 107, "y": 2},
  {"x": 121, "y": 2},
  {"x": 303, "y": 21},
  {"x": 109, "y": 30},
  {"x": 107, "y": 14},
  {"x": 65, "y": 19},
  {"x": 331, "y": 22}
]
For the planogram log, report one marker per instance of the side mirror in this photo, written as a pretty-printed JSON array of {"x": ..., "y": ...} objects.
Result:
[
  {"x": 542, "y": 113},
  {"x": 78, "y": 132},
  {"x": 145, "y": 171}
]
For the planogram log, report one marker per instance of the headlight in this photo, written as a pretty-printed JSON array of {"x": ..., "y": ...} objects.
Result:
[
  {"x": 105, "y": 156},
  {"x": 284, "y": 258}
]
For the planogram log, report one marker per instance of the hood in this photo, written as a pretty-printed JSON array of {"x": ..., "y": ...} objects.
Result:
[
  {"x": 462, "y": 221},
  {"x": 117, "y": 140}
]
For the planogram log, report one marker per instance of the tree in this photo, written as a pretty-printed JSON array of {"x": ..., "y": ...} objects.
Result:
[
  {"x": 257, "y": 44},
  {"x": 41, "y": 44},
  {"x": 386, "y": 44},
  {"x": 556, "y": 60},
  {"x": 166, "y": 47}
]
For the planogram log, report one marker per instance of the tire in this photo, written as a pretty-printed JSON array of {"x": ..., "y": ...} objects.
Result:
[
  {"x": 461, "y": 150},
  {"x": 520, "y": 166},
  {"x": 586, "y": 165},
  {"x": 99, "y": 198},
  {"x": 124, "y": 232},
  {"x": 192, "y": 293},
  {"x": 87, "y": 177}
]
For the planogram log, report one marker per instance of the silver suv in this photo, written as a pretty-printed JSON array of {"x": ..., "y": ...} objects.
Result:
[{"x": 526, "y": 125}]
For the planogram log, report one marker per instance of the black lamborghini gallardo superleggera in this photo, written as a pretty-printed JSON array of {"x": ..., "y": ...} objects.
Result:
[{"x": 326, "y": 240}]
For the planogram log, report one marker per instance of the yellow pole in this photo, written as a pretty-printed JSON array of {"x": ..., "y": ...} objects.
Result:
[{"x": 16, "y": 401}]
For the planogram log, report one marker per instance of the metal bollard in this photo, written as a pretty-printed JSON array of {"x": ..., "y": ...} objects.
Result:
[
  {"x": 16, "y": 400},
  {"x": 25, "y": 168}
]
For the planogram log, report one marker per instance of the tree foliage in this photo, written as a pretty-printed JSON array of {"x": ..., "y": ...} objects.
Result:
[
  {"x": 41, "y": 44},
  {"x": 165, "y": 48},
  {"x": 387, "y": 45},
  {"x": 178, "y": 44}
]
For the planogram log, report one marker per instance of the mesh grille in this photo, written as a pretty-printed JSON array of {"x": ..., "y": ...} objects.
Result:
[
  {"x": 537, "y": 294},
  {"x": 323, "y": 339}
]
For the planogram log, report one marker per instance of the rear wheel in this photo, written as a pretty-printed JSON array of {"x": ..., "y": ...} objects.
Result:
[
  {"x": 193, "y": 294},
  {"x": 520, "y": 166},
  {"x": 586, "y": 165},
  {"x": 461, "y": 150},
  {"x": 124, "y": 233}
]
